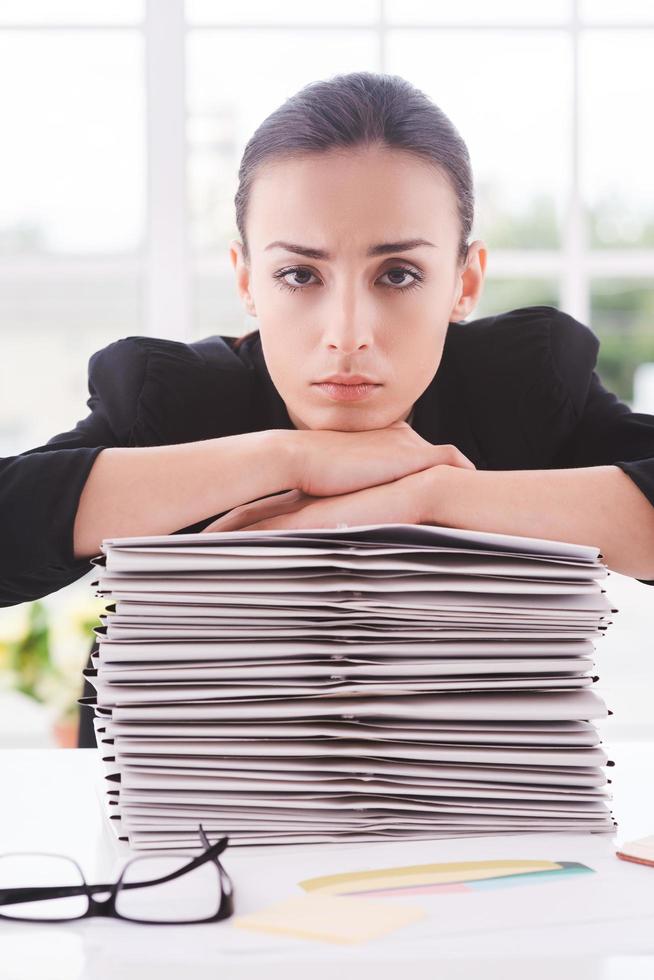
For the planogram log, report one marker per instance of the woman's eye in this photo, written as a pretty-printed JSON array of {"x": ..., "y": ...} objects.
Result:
[
  {"x": 398, "y": 280},
  {"x": 299, "y": 271},
  {"x": 416, "y": 278}
]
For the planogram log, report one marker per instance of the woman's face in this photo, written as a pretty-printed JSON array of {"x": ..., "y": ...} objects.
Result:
[{"x": 331, "y": 300}]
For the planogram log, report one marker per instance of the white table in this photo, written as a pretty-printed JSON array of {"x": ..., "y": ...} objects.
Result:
[
  {"x": 25, "y": 722},
  {"x": 51, "y": 801}
]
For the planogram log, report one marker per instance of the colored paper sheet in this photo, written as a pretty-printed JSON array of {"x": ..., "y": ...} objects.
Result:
[
  {"x": 330, "y": 918},
  {"x": 641, "y": 851},
  {"x": 459, "y": 876}
]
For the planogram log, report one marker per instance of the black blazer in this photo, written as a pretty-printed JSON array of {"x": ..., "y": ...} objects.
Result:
[{"x": 514, "y": 391}]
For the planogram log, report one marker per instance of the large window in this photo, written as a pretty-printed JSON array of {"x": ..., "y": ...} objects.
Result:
[
  {"x": 123, "y": 124},
  {"x": 72, "y": 204},
  {"x": 550, "y": 98}
]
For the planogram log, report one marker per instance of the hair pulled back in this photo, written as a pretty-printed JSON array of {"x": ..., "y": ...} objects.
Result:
[{"x": 360, "y": 109}]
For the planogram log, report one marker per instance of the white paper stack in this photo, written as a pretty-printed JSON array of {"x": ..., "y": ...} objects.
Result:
[{"x": 364, "y": 683}]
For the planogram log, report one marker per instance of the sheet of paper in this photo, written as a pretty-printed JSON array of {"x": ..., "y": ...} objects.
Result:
[
  {"x": 157, "y": 736},
  {"x": 322, "y": 650},
  {"x": 360, "y": 585},
  {"x": 428, "y": 535},
  {"x": 293, "y": 670},
  {"x": 493, "y": 707},
  {"x": 468, "y": 755},
  {"x": 253, "y": 695},
  {"x": 329, "y": 919},
  {"x": 203, "y": 559},
  {"x": 423, "y": 602},
  {"x": 146, "y": 841},
  {"x": 641, "y": 850}
]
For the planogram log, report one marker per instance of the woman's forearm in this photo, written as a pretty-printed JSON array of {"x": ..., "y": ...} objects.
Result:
[
  {"x": 160, "y": 489},
  {"x": 595, "y": 505}
]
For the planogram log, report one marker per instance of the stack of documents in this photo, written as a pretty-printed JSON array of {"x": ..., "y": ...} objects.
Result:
[{"x": 363, "y": 683}]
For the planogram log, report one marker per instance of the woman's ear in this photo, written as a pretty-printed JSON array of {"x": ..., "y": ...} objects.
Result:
[
  {"x": 242, "y": 270},
  {"x": 470, "y": 281}
]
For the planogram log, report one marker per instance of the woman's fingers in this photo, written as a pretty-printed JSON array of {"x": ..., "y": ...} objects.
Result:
[
  {"x": 451, "y": 456},
  {"x": 390, "y": 503},
  {"x": 258, "y": 510},
  {"x": 332, "y": 462}
]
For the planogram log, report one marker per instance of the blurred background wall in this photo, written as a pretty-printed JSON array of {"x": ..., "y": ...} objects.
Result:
[{"x": 123, "y": 123}]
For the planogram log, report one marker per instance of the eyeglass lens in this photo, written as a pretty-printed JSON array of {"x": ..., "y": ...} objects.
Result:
[
  {"x": 47, "y": 871},
  {"x": 190, "y": 897}
]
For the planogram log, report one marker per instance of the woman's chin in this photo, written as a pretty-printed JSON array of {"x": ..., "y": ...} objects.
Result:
[{"x": 344, "y": 419}]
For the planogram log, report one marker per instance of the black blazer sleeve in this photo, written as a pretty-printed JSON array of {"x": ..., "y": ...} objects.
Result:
[
  {"x": 40, "y": 488},
  {"x": 606, "y": 430},
  {"x": 143, "y": 391}
]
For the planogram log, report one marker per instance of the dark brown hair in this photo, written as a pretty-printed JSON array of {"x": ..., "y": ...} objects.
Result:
[{"x": 360, "y": 109}]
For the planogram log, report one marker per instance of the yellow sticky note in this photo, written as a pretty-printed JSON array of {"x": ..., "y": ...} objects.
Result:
[
  {"x": 422, "y": 874},
  {"x": 332, "y": 918}
]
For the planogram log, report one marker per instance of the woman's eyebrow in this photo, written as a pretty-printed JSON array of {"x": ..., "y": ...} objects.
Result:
[{"x": 384, "y": 248}]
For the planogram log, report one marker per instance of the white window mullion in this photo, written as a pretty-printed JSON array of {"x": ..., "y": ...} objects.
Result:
[
  {"x": 382, "y": 36},
  {"x": 575, "y": 292},
  {"x": 167, "y": 286}
]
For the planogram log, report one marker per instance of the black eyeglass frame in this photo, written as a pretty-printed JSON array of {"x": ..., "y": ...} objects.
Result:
[{"x": 107, "y": 907}]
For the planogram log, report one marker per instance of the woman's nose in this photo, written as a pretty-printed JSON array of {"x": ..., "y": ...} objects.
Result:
[{"x": 348, "y": 330}]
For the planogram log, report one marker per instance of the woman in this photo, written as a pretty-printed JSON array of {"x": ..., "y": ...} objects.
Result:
[{"x": 362, "y": 397}]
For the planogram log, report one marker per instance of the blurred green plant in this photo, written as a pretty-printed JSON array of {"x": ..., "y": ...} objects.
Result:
[
  {"x": 43, "y": 651},
  {"x": 618, "y": 358},
  {"x": 623, "y": 318},
  {"x": 28, "y": 657}
]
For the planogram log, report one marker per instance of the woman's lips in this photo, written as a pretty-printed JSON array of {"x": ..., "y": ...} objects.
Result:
[{"x": 346, "y": 393}]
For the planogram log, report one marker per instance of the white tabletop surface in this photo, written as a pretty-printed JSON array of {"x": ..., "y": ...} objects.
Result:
[{"x": 52, "y": 801}]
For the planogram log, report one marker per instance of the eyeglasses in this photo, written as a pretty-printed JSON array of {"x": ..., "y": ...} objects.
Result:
[{"x": 166, "y": 889}]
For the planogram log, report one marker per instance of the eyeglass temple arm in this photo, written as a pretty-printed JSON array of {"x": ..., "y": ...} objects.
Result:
[
  {"x": 14, "y": 896},
  {"x": 226, "y": 884}
]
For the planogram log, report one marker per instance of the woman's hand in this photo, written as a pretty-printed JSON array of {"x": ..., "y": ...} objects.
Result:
[
  {"x": 333, "y": 472},
  {"x": 330, "y": 462},
  {"x": 399, "y": 502}
]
